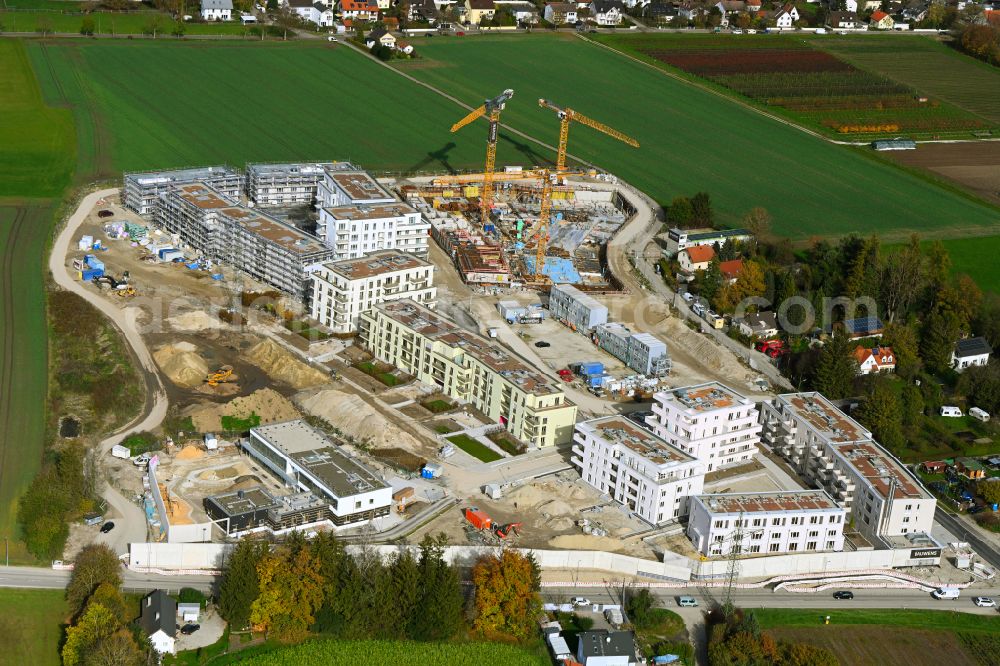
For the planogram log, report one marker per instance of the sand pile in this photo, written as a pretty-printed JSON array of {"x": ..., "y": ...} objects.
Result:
[
  {"x": 270, "y": 357},
  {"x": 181, "y": 364},
  {"x": 267, "y": 403},
  {"x": 555, "y": 508},
  {"x": 560, "y": 524},
  {"x": 358, "y": 419},
  {"x": 586, "y": 542},
  {"x": 196, "y": 320},
  {"x": 189, "y": 452}
]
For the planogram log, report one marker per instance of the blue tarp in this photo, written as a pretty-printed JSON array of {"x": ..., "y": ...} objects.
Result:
[
  {"x": 666, "y": 659},
  {"x": 558, "y": 269},
  {"x": 216, "y": 276},
  {"x": 193, "y": 266}
]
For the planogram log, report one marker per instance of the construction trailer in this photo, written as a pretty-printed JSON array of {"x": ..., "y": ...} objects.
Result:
[{"x": 578, "y": 310}]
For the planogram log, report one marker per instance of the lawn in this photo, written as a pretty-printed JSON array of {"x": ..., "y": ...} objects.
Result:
[
  {"x": 916, "y": 637},
  {"x": 150, "y": 105},
  {"x": 67, "y": 17},
  {"x": 31, "y": 626},
  {"x": 692, "y": 139},
  {"x": 927, "y": 65},
  {"x": 475, "y": 448}
]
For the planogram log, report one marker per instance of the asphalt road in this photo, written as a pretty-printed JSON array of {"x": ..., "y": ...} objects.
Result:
[
  {"x": 968, "y": 533},
  {"x": 56, "y": 579}
]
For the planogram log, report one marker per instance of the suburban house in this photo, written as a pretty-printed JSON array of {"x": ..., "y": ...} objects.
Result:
[
  {"x": 560, "y": 13},
  {"x": 358, "y": 10},
  {"x": 874, "y": 360},
  {"x": 606, "y": 12},
  {"x": 731, "y": 269},
  {"x": 660, "y": 12},
  {"x": 880, "y": 21},
  {"x": 689, "y": 9},
  {"x": 784, "y": 19},
  {"x": 217, "y": 10},
  {"x": 695, "y": 258},
  {"x": 158, "y": 619},
  {"x": 730, "y": 8},
  {"x": 606, "y": 648},
  {"x": 759, "y": 325},
  {"x": 934, "y": 466},
  {"x": 863, "y": 327},
  {"x": 477, "y": 11},
  {"x": 404, "y": 47},
  {"x": 851, "y": 6},
  {"x": 970, "y": 352},
  {"x": 380, "y": 36},
  {"x": 315, "y": 12},
  {"x": 843, "y": 20},
  {"x": 427, "y": 10},
  {"x": 753, "y": 6},
  {"x": 970, "y": 468},
  {"x": 524, "y": 12}
]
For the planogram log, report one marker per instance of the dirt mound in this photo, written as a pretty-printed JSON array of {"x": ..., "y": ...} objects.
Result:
[
  {"x": 560, "y": 524},
  {"x": 358, "y": 419},
  {"x": 270, "y": 357},
  {"x": 189, "y": 452},
  {"x": 181, "y": 364},
  {"x": 586, "y": 542},
  {"x": 196, "y": 320},
  {"x": 555, "y": 508},
  {"x": 268, "y": 404}
]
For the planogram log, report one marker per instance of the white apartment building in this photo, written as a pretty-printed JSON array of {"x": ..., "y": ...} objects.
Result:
[
  {"x": 711, "y": 422},
  {"x": 637, "y": 468},
  {"x": 350, "y": 188},
  {"x": 468, "y": 367},
  {"x": 770, "y": 523},
  {"x": 357, "y": 229},
  {"x": 305, "y": 460},
  {"x": 342, "y": 290},
  {"x": 141, "y": 191},
  {"x": 834, "y": 452},
  {"x": 290, "y": 183}
]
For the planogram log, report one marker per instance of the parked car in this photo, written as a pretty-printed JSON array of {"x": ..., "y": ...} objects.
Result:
[
  {"x": 687, "y": 296},
  {"x": 687, "y": 601},
  {"x": 946, "y": 593},
  {"x": 542, "y": 343},
  {"x": 331, "y": 38},
  {"x": 189, "y": 629},
  {"x": 107, "y": 527},
  {"x": 580, "y": 601},
  {"x": 985, "y": 602},
  {"x": 843, "y": 594}
]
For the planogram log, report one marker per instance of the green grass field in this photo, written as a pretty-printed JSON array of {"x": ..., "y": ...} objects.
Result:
[
  {"x": 693, "y": 140},
  {"x": 66, "y": 17},
  {"x": 475, "y": 448},
  {"x": 398, "y": 653},
  {"x": 31, "y": 626},
  {"x": 927, "y": 65},
  {"x": 976, "y": 257}
]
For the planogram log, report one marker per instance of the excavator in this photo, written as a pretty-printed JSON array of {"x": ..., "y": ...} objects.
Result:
[
  {"x": 221, "y": 376},
  {"x": 504, "y": 531}
]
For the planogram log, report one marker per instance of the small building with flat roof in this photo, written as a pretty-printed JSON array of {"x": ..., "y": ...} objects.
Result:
[
  {"x": 606, "y": 648},
  {"x": 770, "y": 523},
  {"x": 580, "y": 311}
]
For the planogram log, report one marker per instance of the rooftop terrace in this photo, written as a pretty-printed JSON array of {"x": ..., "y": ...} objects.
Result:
[
  {"x": 281, "y": 233},
  {"x": 360, "y": 186},
  {"x": 619, "y": 430},
  {"x": 787, "y": 500},
  {"x": 880, "y": 469},
  {"x": 376, "y": 263},
  {"x": 202, "y": 196},
  {"x": 377, "y": 212},
  {"x": 822, "y": 416},
  {"x": 707, "y": 397}
]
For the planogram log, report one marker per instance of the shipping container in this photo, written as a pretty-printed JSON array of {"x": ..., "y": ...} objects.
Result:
[
  {"x": 478, "y": 518},
  {"x": 591, "y": 368},
  {"x": 90, "y": 274}
]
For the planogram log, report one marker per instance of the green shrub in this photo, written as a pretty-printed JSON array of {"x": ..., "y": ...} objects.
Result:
[
  {"x": 236, "y": 424},
  {"x": 142, "y": 442}
]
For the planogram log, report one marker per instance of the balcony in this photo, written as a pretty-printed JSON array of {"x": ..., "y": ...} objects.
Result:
[
  {"x": 574, "y": 460},
  {"x": 577, "y": 450}
]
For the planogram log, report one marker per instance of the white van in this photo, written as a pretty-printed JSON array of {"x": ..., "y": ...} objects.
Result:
[
  {"x": 946, "y": 593},
  {"x": 687, "y": 601},
  {"x": 950, "y": 411}
]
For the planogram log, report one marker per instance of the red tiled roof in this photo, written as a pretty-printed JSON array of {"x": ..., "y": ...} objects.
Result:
[
  {"x": 878, "y": 15},
  {"x": 883, "y": 356},
  {"x": 700, "y": 253},
  {"x": 732, "y": 268}
]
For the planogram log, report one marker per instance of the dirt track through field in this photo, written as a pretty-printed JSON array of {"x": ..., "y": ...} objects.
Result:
[
  {"x": 8, "y": 335},
  {"x": 872, "y": 645}
]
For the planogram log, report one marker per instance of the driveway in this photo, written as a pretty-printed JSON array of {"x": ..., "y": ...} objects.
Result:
[{"x": 212, "y": 627}]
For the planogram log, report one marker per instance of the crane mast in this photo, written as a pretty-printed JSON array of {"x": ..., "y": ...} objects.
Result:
[{"x": 491, "y": 109}]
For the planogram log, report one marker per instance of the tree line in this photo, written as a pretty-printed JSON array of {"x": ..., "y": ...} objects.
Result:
[
  {"x": 315, "y": 587},
  {"x": 737, "y": 640}
]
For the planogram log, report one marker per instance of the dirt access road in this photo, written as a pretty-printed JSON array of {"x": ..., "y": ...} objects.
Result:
[{"x": 130, "y": 522}]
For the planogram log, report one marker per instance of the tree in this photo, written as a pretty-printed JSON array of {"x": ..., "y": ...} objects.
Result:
[
  {"x": 938, "y": 336},
  {"x": 905, "y": 347},
  {"x": 701, "y": 203},
  {"x": 836, "y": 367},
  {"x": 743, "y": 20},
  {"x": 108, "y": 595},
  {"x": 441, "y": 594},
  {"x": 154, "y": 25},
  {"x": 987, "y": 319},
  {"x": 94, "y": 565},
  {"x": 404, "y": 576},
  {"x": 94, "y": 625},
  {"x": 291, "y": 591},
  {"x": 639, "y": 607},
  {"x": 981, "y": 385},
  {"x": 679, "y": 212},
  {"x": 507, "y": 600},
  {"x": 882, "y": 414},
  {"x": 381, "y": 51},
  {"x": 87, "y": 26},
  {"x": 714, "y": 18},
  {"x": 286, "y": 19},
  {"x": 902, "y": 278},
  {"x": 43, "y": 25},
  {"x": 241, "y": 583},
  {"x": 758, "y": 221},
  {"x": 989, "y": 491},
  {"x": 711, "y": 280},
  {"x": 117, "y": 649},
  {"x": 912, "y": 404}
]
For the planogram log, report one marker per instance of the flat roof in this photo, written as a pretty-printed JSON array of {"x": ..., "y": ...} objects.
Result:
[
  {"x": 827, "y": 420},
  {"x": 202, "y": 196},
  {"x": 376, "y": 263},
  {"x": 784, "y": 500},
  {"x": 578, "y": 296},
  {"x": 706, "y": 397},
  {"x": 376, "y": 212},
  {"x": 312, "y": 451},
  {"x": 880, "y": 468},
  {"x": 305, "y": 168},
  {"x": 500, "y": 359},
  {"x": 359, "y": 186},
  {"x": 271, "y": 228},
  {"x": 244, "y": 501},
  {"x": 181, "y": 175},
  {"x": 620, "y": 430},
  {"x": 481, "y": 259}
]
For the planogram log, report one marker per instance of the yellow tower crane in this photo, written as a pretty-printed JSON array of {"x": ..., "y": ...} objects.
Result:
[
  {"x": 491, "y": 109},
  {"x": 567, "y": 115}
]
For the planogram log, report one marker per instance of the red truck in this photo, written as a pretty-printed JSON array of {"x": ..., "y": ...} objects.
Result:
[{"x": 773, "y": 348}]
